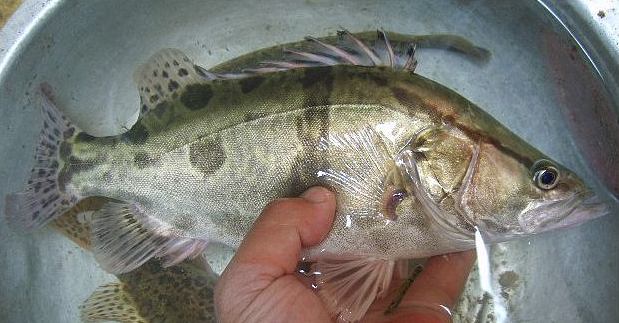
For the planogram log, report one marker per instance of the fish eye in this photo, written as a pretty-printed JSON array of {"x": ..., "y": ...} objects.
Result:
[{"x": 546, "y": 176}]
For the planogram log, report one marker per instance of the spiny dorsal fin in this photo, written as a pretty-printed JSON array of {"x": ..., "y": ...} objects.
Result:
[
  {"x": 350, "y": 50},
  {"x": 111, "y": 302},
  {"x": 165, "y": 75}
]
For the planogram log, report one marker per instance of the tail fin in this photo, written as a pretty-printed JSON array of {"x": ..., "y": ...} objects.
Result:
[{"x": 46, "y": 195}]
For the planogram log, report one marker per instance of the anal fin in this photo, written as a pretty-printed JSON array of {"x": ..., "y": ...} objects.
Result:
[
  {"x": 110, "y": 302},
  {"x": 348, "y": 287},
  {"x": 125, "y": 237}
]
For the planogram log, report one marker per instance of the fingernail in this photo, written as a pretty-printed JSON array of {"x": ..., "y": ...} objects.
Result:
[{"x": 315, "y": 194}]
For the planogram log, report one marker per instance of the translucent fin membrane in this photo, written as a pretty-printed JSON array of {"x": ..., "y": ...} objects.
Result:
[
  {"x": 349, "y": 51},
  {"x": 348, "y": 287},
  {"x": 124, "y": 238}
]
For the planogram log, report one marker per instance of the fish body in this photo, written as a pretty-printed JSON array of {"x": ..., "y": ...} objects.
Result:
[
  {"x": 211, "y": 177},
  {"x": 416, "y": 167}
]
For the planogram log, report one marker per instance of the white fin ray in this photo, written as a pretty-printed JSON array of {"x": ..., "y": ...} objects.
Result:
[
  {"x": 350, "y": 51},
  {"x": 365, "y": 163},
  {"x": 124, "y": 238},
  {"x": 359, "y": 46},
  {"x": 349, "y": 286}
]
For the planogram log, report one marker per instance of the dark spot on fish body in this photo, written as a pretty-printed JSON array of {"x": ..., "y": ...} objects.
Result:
[
  {"x": 164, "y": 279},
  {"x": 311, "y": 125},
  {"x": 197, "y": 96},
  {"x": 64, "y": 178},
  {"x": 65, "y": 150},
  {"x": 406, "y": 98},
  {"x": 76, "y": 165},
  {"x": 182, "y": 72},
  {"x": 207, "y": 155},
  {"x": 317, "y": 77},
  {"x": 83, "y": 137},
  {"x": 138, "y": 134},
  {"x": 143, "y": 160},
  {"x": 251, "y": 116},
  {"x": 374, "y": 78},
  {"x": 248, "y": 84}
]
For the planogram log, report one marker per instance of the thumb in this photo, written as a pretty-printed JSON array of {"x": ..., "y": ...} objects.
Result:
[{"x": 273, "y": 246}]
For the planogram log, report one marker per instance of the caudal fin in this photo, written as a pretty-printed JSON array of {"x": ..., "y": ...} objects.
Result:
[{"x": 46, "y": 195}]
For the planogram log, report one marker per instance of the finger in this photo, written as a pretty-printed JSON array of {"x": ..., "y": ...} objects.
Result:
[
  {"x": 442, "y": 279},
  {"x": 285, "y": 226}
]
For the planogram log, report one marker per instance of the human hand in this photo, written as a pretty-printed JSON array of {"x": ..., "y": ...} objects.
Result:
[{"x": 259, "y": 284}]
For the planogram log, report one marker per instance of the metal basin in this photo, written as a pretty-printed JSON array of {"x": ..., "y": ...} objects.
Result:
[{"x": 555, "y": 88}]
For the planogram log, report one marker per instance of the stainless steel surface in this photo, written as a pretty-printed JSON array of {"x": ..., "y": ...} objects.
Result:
[{"x": 538, "y": 83}]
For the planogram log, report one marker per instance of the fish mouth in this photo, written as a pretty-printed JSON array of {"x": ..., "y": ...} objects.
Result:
[
  {"x": 566, "y": 213},
  {"x": 591, "y": 207}
]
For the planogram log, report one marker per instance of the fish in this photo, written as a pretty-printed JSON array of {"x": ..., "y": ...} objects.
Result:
[
  {"x": 417, "y": 169},
  {"x": 184, "y": 292},
  {"x": 151, "y": 293}
]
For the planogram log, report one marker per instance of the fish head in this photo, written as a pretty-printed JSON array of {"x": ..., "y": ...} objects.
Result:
[
  {"x": 497, "y": 184},
  {"x": 552, "y": 197}
]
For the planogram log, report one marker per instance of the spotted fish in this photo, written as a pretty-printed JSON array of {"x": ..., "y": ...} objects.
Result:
[
  {"x": 184, "y": 292},
  {"x": 416, "y": 167}
]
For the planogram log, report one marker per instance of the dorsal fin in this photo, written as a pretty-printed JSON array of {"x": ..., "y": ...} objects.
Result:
[
  {"x": 350, "y": 50},
  {"x": 165, "y": 75}
]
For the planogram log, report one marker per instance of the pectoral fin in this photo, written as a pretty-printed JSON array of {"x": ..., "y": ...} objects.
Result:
[
  {"x": 348, "y": 287},
  {"x": 125, "y": 237}
]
